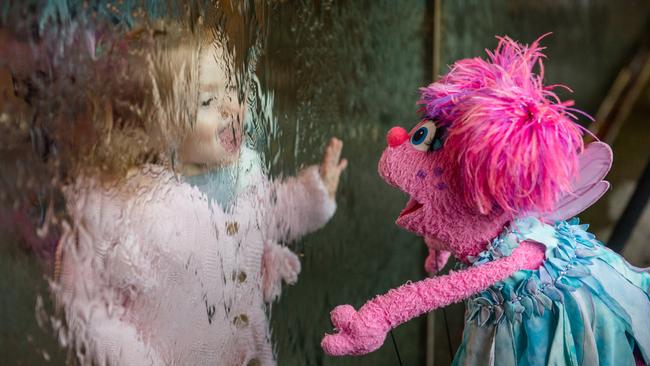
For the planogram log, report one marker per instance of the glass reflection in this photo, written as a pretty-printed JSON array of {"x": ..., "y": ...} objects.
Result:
[{"x": 163, "y": 234}]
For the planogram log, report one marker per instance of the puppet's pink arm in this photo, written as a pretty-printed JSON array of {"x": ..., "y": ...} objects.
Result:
[{"x": 363, "y": 331}]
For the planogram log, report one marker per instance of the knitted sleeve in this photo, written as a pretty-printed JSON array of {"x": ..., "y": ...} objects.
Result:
[
  {"x": 297, "y": 206},
  {"x": 94, "y": 313}
]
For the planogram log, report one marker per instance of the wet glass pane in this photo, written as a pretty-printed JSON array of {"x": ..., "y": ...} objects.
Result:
[
  {"x": 169, "y": 173},
  {"x": 347, "y": 69}
]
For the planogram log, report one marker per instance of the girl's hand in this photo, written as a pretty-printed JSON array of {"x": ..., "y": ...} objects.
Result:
[
  {"x": 332, "y": 166},
  {"x": 278, "y": 263}
]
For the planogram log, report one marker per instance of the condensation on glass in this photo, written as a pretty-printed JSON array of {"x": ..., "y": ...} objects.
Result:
[{"x": 168, "y": 182}]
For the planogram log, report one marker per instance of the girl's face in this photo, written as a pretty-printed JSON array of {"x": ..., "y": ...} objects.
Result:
[{"x": 217, "y": 134}]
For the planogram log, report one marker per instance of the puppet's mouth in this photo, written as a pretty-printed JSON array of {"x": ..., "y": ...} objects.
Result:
[{"x": 411, "y": 206}]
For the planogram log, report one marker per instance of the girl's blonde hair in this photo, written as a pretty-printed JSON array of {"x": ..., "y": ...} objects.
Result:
[{"x": 99, "y": 102}]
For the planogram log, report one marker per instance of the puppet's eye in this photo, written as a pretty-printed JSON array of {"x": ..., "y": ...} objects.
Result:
[{"x": 422, "y": 138}]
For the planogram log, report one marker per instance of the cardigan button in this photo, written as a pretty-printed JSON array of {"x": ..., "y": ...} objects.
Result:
[
  {"x": 240, "y": 321},
  {"x": 232, "y": 228},
  {"x": 239, "y": 276}
]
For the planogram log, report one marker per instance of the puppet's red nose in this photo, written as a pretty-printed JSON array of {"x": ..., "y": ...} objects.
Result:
[{"x": 396, "y": 136}]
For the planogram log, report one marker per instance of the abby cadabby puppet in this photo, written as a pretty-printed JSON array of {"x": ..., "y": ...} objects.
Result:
[{"x": 495, "y": 171}]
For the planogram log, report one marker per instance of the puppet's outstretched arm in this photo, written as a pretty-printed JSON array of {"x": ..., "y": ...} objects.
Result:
[{"x": 363, "y": 331}]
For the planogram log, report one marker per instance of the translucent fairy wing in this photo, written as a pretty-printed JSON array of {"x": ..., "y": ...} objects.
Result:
[
  {"x": 572, "y": 206},
  {"x": 595, "y": 162}
]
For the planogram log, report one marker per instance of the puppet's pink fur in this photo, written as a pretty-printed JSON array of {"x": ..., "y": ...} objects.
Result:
[
  {"x": 511, "y": 148},
  {"x": 366, "y": 328},
  {"x": 515, "y": 142}
]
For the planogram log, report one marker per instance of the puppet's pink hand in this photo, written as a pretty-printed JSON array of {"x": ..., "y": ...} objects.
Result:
[
  {"x": 438, "y": 256},
  {"x": 436, "y": 260},
  {"x": 358, "y": 333}
]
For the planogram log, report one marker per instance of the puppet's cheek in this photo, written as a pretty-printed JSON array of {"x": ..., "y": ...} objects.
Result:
[
  {"x": 434, "y": 243},
  {"x": 398, "y": 165},
  {"x": 389, "y": 166}
]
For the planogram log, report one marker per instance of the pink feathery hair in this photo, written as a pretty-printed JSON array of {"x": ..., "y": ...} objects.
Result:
[{"x": 516, "y": 143}]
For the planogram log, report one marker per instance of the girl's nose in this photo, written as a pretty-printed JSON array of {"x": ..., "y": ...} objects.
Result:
[{"x": 396, "y": 136}]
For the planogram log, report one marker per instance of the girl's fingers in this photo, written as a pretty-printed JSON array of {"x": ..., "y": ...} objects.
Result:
[
  {"x": 336, "y": 146},
  {"x": 343, "y": 164},
  {"x": 332, "y": 164}
]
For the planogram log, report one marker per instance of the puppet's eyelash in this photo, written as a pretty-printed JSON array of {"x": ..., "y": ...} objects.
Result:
[{"x": 438, "y": 139}]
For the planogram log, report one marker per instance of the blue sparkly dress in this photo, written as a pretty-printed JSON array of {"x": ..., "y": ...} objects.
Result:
[{"x": 585, "y": 305}]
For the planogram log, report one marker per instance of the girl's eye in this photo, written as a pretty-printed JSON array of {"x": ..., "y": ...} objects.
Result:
[
  {"x": 424, "y": 136},
  {"x": 206, "y": 103}
]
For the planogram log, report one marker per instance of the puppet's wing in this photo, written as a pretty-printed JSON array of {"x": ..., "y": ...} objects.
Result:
[{"x": 595, "y": 162}]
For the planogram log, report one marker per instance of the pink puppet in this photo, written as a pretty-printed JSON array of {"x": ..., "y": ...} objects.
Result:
[{"x": 493, "y": 170}]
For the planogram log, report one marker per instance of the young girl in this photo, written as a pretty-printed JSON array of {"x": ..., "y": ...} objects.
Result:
[
  {"x": 150, "y": 271},
  {"x": 230, "y": 173}
]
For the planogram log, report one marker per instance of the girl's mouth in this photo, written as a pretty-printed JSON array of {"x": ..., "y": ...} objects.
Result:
[{"x": 230, "y": 138}]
